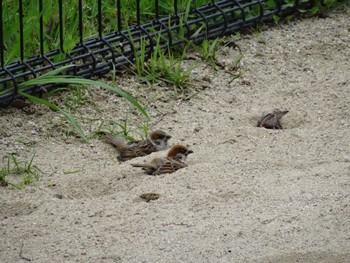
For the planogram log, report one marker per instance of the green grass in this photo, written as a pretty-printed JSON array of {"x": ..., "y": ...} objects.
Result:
[
  {"x": 71, "y": 22},
  {"x": 109, "y": 21},
  {"x": 123, "y": 129},
  {"x": 17, "y": 173},
  {"x": 163, "y": 66},
  {"x": 78, "y": 99}
]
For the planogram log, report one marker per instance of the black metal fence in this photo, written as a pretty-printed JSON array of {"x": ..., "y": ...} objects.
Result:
[{"x": 98, "y": 55}]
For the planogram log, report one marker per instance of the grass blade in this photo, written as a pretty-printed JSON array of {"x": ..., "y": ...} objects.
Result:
[
  {"x": 52, "y": 106},
  {"x": 48, "y": 79}
]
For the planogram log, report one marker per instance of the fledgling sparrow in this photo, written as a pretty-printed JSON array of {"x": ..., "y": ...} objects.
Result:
[
  {"x": 272, "y": 120},
  {"x": 157, "y": 141},
  {"x": 174, "y": 161}
]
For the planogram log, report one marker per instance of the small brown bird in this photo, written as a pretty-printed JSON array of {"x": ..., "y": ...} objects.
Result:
[
  {"x": 156, "y": 141},
  {"x": 174, "y": 161},
  {"x": 272, "y": 120}
]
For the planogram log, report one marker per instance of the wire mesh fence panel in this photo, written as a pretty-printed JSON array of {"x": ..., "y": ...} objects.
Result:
[{"x": 95, "y": 37}]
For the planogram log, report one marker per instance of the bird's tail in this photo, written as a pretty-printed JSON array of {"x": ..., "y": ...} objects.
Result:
[
  {"x": 118, "y": 143},
  {"x": 148, "y": 168},
  {"x": 142, "y": 165}
]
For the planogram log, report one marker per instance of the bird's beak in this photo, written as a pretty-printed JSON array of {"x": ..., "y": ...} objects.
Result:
[{"x": 188, "y": 152}]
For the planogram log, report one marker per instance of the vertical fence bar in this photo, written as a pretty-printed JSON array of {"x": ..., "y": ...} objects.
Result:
[
  {"x": 21, "y": 33},
  {"x": 138, "y": 12},
  {"x": 296, "y": 5},
  {"x": 81, "y": 43},
  {"x": 119, "y": 16},
  {"x": 279, "y": 6},
  {"x": 99, "y": 18},
  {"x": 100, "y": 29},
  {"x": 1, "y": 38},
  {"x": 163, "y": 25},
  {"x": 81, "y": 21},
  {"x": 21, "y": 40},
  {"x": 41, "y": 28},
  {"x": 3, "y": 58},
  {"x": 175, "y": 7},
  {"x": 60, "y": 12},
  {"x": 157, "y": 9}
]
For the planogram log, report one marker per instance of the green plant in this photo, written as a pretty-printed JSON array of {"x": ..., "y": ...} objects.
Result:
[
  {"x": 28, "y": 172},
  {"x": 52, "y": 77},
  {"x": 163, "y": 65},
  {"x": 235, "y": 69},
  {"x": 171, "y": 70},
  {"x": 77, "y": 96},
  {"x": 145, "y": 129},
  {"x": 208, "y": 50},
  {"x": 327, "y": 6},
  {"x": 146, "y": 70},
  {"x": 123, "y": 129},
  {"x": 71, "y": 22}
]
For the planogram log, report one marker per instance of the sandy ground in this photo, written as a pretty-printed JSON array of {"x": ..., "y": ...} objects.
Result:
[{"x": 248, "y": 195}]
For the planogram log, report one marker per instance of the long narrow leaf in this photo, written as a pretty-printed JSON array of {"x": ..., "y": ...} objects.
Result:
[
  {"x": 56, "y": 71},
  {"x": 73, "y": 80},
  {"x": 52, "y": 106}
]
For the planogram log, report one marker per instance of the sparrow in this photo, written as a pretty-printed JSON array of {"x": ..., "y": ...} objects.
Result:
[
  {"x": 272, "y": 120},
  {"x": 157, "y": 141},
  {"x": 174, "y": 161}
]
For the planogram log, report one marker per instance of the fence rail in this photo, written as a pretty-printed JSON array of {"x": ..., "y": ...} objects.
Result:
[{"x": 98, "y": 55}]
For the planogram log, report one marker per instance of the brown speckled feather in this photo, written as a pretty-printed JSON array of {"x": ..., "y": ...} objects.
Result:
[
  {"x": 272, "y": 120},
  {"x": 161, "y": 166},
  {"x": 174, "y": 161},
  {"x": 169, "y": 166},
  {"x": 139, "y": 150},
  {"x": 130, "y": 150}
]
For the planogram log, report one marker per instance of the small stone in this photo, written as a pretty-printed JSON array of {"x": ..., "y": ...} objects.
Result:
[{"x": 150, "y": 196}]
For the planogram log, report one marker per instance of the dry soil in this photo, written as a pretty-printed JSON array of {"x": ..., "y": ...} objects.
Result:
[{"x": 248, "y": 195}]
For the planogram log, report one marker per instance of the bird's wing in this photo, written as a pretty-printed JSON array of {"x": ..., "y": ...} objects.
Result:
[
  {"x": 267, "y": 120},
  {"x": 136, "y": 149},
  {"x": 169, "y": 166},
  {"x": 151, "y": 167}
]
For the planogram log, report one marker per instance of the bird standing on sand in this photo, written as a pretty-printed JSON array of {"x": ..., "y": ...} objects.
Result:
[
  {"x": 156, "y": 141},
  {"x": 174, "y": 161}
]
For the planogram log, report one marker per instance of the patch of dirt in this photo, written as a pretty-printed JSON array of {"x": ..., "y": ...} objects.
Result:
[{"x": 249, "y": 194}]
